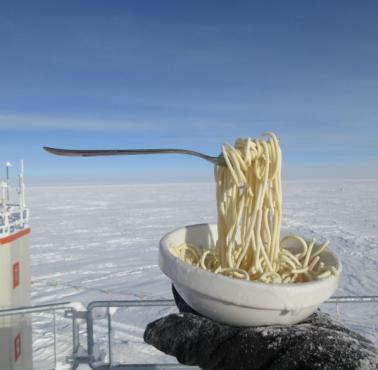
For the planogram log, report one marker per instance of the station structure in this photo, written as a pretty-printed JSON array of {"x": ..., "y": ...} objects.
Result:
[{"x": 15, "y": 274}]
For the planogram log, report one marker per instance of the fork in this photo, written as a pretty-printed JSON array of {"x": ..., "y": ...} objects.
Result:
[{"x": 219, "y": 160}]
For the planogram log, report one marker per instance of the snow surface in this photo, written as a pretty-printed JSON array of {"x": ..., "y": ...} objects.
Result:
[{"x": 101, "y": 243}]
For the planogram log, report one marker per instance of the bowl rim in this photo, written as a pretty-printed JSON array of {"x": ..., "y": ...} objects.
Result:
[{"x": 302, "y": 285}]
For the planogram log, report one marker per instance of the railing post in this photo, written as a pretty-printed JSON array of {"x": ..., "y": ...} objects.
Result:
[
  {"x": 90, "y": 335},
  {"x": 54, "y": 328},
  {"x": 109, "y": 335}
]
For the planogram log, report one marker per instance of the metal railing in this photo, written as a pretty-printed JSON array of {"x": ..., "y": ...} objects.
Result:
[
  {"x": 13, "y": 218},
  {"x": 87, "y": 356},
  {"x": 126, "y": 304},
  {"x": 165, "y": 303},
  {"x": 46, "y": 308}
]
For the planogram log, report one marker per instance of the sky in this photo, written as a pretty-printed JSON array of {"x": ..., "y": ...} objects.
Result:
[{"x": 194, "y": 74}]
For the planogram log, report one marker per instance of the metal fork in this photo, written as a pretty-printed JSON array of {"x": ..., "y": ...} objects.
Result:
[{"x": 219, "y": 160}]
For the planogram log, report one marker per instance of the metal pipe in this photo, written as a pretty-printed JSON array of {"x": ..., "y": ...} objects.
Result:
[
  {"x": 353, "y": 299},
  {"x": 150, "y": 303},
  {"x": 132, "y": 303},
  {"x": 171, "y": 302},
  {"x": 145, "y": 367},
  {"x": 33, "y": 309},
  {"x": 54, "y": 331},
  {"x": 109, "y": 335},
  {"x": 90, "y": 343}
]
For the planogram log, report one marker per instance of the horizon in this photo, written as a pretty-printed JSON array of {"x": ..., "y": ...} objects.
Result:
[{"x": 13, "y": 183}]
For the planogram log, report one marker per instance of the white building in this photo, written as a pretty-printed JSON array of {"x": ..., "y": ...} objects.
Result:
[{"x": 15, "y": 332}]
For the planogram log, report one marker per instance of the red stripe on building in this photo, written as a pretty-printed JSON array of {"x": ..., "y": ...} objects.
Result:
[{"x": 11, "y": 238}]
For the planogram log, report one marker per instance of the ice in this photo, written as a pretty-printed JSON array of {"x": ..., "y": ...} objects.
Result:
[{"x": 101, "y": 242}]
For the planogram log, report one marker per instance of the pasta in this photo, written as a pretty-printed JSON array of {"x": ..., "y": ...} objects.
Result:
[{"x": 249, "y": 204}]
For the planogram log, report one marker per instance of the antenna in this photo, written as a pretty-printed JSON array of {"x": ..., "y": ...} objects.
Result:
[
  {"x": 7, "y": 166},
  {"x": 21, "y": 184},
  {"x": 3, "y": 186}
]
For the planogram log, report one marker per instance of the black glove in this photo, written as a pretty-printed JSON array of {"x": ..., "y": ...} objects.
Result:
[{"x": 319, "y": 342}]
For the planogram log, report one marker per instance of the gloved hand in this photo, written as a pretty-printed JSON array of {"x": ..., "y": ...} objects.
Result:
[{"x": 319, "y": 342}]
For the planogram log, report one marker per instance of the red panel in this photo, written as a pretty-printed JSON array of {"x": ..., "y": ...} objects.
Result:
[
  {"x": 17, "y": 346},
  {"x": 16, "y": 275}
]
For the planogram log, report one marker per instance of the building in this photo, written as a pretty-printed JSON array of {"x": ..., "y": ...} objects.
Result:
[{"x": 15, "y": 331}]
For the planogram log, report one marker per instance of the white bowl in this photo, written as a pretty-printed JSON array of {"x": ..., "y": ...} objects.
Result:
[{"x": 240, "y": 302}]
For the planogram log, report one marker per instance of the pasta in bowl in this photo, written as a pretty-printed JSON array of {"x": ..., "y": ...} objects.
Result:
[
  {"x": 243, "y": 271},
  {"x": 237, "y": 301}
]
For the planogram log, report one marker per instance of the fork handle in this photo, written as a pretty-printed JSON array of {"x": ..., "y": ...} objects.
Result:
[{"x": 95, "y": 152}]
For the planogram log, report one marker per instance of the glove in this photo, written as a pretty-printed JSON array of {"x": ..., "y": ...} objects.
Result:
[{"x": 319, "y": 342}]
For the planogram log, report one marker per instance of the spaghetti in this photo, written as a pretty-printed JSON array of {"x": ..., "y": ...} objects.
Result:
[{"x": 249, "y": 204}]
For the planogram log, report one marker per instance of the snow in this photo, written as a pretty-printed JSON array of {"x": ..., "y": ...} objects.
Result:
[{"x": 101, "y": 243}]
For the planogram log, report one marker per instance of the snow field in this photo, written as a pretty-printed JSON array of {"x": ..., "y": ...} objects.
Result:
[{"x": 101, "y": 243}]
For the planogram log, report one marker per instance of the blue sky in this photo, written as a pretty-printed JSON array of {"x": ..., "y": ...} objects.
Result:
[{"x": 194, "y": 74}]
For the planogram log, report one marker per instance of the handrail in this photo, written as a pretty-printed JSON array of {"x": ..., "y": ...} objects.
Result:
[
  {"x": 353, "y": 299},
  {"x": 6, "y": 213},
  {"x": 33, "y": 309},
  {"x": 6, "y": 311},
  {"x": 171, "y": 302},
  {"x": 132, "y": 303},
  {"x": 17, "y": 225}
]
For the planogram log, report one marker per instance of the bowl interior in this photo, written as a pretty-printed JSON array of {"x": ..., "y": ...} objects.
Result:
[{"x": 204, "y": 236}]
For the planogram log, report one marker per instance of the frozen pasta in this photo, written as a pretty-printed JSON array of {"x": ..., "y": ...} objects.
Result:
[{"x": 249, "y": 205}]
